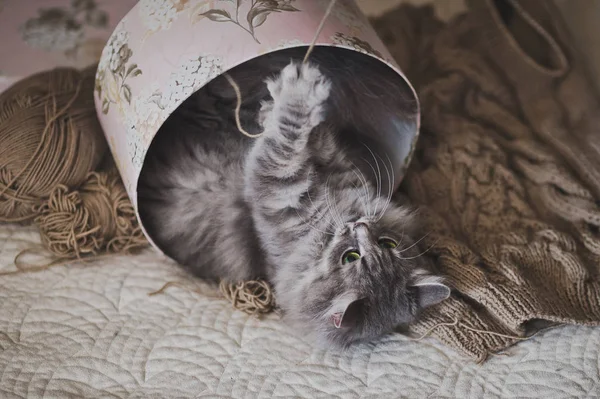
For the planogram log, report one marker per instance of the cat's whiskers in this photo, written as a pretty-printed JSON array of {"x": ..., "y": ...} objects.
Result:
[
  {"x": 365, "y": 184},
  {"x": 415, "y": 243},
  {"x": 422, "y": 253},
  {"x": 386, "y": 201},
  {"x": 327, "y": 219},
  {"x": 391, "y": 181},
  {"x": 365, "y": 202},
  {"x": 310, "y": 225},
  {"x": 374, "y": 174},
  {"x": 401, "y": 237},
  {"x": 313, "y": 206},
  {"x": 333, "y": 211},
  {"x": 377, "y": 176}
]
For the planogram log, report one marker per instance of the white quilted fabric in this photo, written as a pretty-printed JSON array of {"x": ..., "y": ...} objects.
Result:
[{"x": 92, "y": 331}]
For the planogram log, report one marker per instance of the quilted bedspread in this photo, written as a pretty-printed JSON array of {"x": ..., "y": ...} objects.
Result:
[{"x": 92, "y": 330}]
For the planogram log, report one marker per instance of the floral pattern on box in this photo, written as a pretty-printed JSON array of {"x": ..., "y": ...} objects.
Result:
[
  {"x": 255, "y": 16},
  {"x": 154, "y": 104},
  {"x": 114, "y": 72},
  {"x": 355, "y": 43},
  {"x": 157, "y": 15}
]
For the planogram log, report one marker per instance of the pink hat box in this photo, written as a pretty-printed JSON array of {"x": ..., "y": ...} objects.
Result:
[{"x": 162, "y": 51}]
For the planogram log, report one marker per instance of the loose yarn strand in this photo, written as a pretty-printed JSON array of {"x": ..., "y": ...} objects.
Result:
[
  {"x": 319, "y": 29},
  {"x": 238, "y": 92},
  {"x": 455, "y": 322},
  {"x": 238, "y": 107},
  {"x": 430, "y": 330},
  {"x": 23, "y": 267}
]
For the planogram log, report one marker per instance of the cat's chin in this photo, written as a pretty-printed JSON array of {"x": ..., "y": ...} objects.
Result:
[
  {"x": 347, "y": 344},
  {"x": 333, "y": 339},
  {"x": 319, "y": 339},
  {"x": 329, "y": 344}
]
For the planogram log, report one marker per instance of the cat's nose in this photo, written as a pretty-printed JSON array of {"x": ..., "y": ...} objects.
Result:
[
  {"x": 359, "y": 225},
  {"x": 361, "y": 231}
]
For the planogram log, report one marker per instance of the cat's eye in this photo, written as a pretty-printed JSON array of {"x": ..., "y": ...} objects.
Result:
[
  {"x": 387, "y": 243},
  {"x": 350, "y": 256}
]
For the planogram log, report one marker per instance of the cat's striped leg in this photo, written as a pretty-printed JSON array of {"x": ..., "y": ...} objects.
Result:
[{"x": 278, "y": 168}]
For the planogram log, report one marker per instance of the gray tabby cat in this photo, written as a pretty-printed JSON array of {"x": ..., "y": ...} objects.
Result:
[{"x": 292, "y": 206}]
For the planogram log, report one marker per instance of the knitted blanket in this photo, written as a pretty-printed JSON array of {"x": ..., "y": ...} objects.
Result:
[{"x": 507, "y": 171}]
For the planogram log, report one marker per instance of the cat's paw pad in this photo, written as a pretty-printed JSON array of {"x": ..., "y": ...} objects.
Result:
[{"x": 301, "y": 87}]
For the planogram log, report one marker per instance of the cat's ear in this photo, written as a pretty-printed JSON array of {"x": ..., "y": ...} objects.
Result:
[
  {"x": 431, "y": 293},
  {"x": 348, "y": 315}
]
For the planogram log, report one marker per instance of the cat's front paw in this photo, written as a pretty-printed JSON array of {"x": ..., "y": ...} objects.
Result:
[{"x": 301, "y": 88}]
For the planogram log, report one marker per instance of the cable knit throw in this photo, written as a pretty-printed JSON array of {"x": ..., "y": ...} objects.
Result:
[{"x": 507, "y": 170}]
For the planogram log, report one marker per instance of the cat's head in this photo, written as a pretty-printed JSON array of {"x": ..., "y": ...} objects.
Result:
[{"x": 371, "y": 278}]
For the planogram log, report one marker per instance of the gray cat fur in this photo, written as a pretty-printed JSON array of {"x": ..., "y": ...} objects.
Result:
[{"x": 289, "y": 205}]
